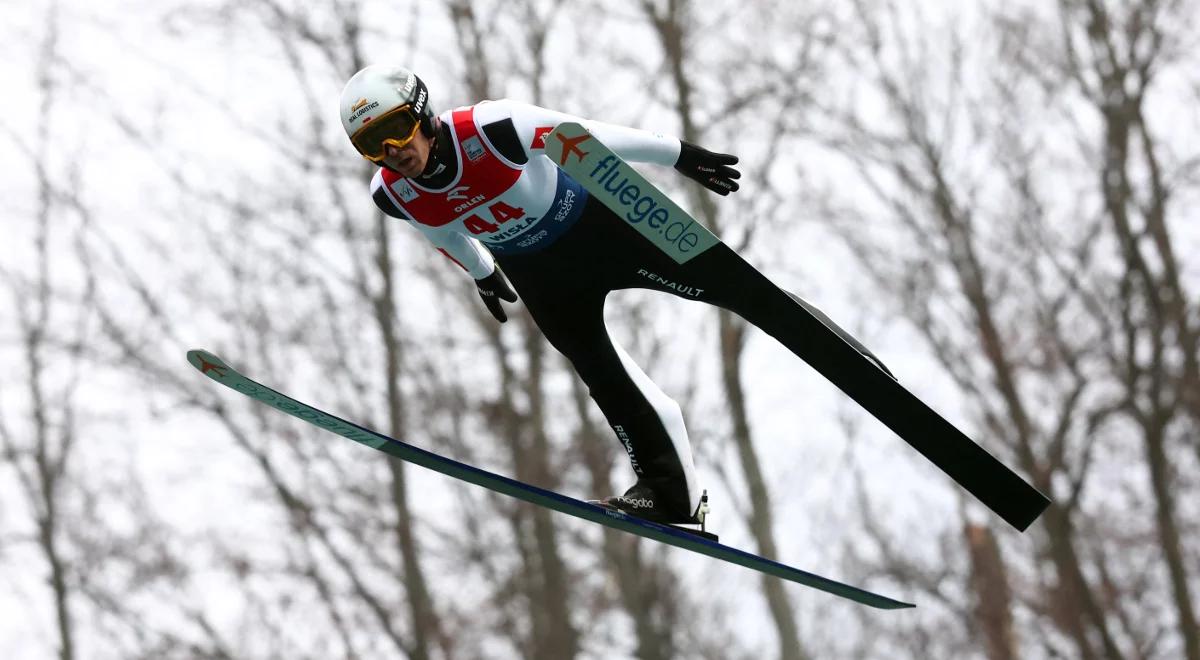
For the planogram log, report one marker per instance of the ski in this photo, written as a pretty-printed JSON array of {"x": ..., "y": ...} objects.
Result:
[
  {"x": 217, "y": 369},
  {"x": 818, "y": 342}
]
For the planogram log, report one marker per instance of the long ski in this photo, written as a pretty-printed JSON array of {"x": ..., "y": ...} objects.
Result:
[
  {"x": 220, "y": 371},
  {"x": 676, "y": 233}
]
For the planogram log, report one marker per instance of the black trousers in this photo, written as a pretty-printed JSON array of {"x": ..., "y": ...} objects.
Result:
[{"x": 564, "y": 287}]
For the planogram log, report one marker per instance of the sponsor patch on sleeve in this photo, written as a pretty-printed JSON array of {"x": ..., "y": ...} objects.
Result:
[{"x": 539, "y": 137}]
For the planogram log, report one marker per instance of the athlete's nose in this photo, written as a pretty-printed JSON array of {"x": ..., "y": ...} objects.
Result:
[{"x": 391, "y": 151}]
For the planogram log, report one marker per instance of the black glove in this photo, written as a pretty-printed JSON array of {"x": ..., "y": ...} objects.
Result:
[
  {"x": 707, "y": 167},
  {"x": 492, "y": 289}
]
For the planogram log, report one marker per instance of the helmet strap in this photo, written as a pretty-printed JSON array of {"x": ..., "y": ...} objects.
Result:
[
  {"x": 441, "y": 154},
  {"x": 429, "y": 125}
]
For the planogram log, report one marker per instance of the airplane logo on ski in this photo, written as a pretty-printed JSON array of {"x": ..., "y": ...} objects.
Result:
[
  {"x": 205, "y": 366},
  {"x": 570, "y": 145}
]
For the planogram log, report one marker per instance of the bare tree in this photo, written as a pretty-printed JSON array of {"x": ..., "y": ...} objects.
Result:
[
  {"x": 542, "y": 590},
  {"x": 40, "y": 454},
  {"x": 88, "y": 513},
  {"x": 334, "y": 554},
  {"x": 1023, "y": 311},
  {"x": 1010, "y": 179},
  {"x": 1114, "y": 53},
  {"x": 739, "y": 89}
]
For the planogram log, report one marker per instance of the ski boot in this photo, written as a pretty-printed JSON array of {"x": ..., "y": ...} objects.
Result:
[{"x": 640, "y": 501}]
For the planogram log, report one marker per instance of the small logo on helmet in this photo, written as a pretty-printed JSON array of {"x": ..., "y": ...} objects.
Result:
[{"x": 360, "y": 109}]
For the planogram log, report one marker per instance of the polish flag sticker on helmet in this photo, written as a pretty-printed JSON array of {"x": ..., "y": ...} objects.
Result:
[
  {"x": 473, "y": 148},
  {"x": 402, "y": 188}
]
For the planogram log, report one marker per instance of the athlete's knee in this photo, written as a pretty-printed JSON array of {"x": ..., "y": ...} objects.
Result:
[{"x": 614, "y": 390}]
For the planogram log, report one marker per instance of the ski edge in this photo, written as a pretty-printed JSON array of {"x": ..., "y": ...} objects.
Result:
[{"x": 217, "y": 369}]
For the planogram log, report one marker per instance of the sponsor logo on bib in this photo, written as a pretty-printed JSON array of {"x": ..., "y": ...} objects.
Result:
[
  {"x": 474, "y": 148},
  {"x": 406, "y": 192}
]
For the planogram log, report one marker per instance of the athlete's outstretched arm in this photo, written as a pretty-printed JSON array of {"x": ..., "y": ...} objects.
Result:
[
  {"x": 713, "y": 170},
  {"x": 463, "y": 250},
  {"x": 533, "y": 123}
]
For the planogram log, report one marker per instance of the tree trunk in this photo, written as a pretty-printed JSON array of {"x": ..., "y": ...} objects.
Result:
[
  {"x": 672, "y": 31},
  {"x": 653, "y": 614},
  {"x": 993, "y": 595},
  {"x": 423, "y": 617}
]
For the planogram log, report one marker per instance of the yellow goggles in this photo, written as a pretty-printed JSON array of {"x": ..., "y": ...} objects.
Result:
[{"x": 396, "y": 127}]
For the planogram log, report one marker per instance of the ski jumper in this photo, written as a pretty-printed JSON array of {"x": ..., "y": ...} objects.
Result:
[{"x": 503, "y": 200}]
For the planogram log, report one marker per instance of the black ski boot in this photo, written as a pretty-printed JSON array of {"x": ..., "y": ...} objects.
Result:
[{"x": 641, "y": 501}]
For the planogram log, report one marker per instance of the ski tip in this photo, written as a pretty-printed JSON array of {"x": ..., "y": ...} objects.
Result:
[
  {"x": 570, "y": 126},
  {"x": 208, "y": 364},
  {"x": 1035, "y": 505}
]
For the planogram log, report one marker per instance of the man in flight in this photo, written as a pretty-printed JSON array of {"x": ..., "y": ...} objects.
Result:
[{"x": 477, "y": 183}]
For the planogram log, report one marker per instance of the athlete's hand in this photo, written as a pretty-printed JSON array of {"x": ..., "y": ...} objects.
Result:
[
  {"x": 709, "y": 168},
  {"x": 492, "y": 289}
]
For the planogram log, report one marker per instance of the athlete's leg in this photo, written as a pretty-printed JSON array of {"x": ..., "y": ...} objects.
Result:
[
  {"x": 648, "y": 423},
  {"x": 721, "y": 277}
]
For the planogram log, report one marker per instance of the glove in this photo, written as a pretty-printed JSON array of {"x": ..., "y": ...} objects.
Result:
[
  {"x": 709, "y": 168},
  {"x": 492, "y": 289}
]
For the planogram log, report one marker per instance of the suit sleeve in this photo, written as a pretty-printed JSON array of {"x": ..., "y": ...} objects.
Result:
[
  {"x": 463, "y": 250},
  {"x": 533, "y": 123}
]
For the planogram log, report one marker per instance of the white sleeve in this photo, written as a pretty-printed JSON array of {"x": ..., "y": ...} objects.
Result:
[
  {"x": 533, "y": 122},
  {"x": 464, "y": 250}
]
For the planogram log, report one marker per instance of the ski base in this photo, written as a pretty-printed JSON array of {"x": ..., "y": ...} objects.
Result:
[{"x": 218, "y": 370}]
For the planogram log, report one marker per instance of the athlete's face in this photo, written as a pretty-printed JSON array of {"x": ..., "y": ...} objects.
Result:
[{"x": 410, "y": 159}]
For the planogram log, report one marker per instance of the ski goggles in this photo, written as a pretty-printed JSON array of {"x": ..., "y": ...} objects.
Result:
[{"x": 396, "y": 127}]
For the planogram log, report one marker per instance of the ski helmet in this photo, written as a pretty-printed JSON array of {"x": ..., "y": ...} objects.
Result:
[{"x": 384, "y": 104}]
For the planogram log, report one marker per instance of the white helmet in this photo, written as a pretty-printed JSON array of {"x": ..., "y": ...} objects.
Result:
[{"x": 384, "y": 104}]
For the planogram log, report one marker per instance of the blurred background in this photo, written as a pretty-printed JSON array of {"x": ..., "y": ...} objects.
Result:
[{"x": 999, "y": 197}]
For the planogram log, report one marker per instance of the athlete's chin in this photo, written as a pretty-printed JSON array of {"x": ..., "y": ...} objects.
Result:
[{"x": 409, "y": 168}]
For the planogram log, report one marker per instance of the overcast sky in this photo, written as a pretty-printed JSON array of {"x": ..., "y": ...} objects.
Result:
[{"x": 215, "y": 104}]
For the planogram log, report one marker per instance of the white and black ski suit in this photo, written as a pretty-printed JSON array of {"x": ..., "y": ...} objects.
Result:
[{"x": 494, "y": 196}]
